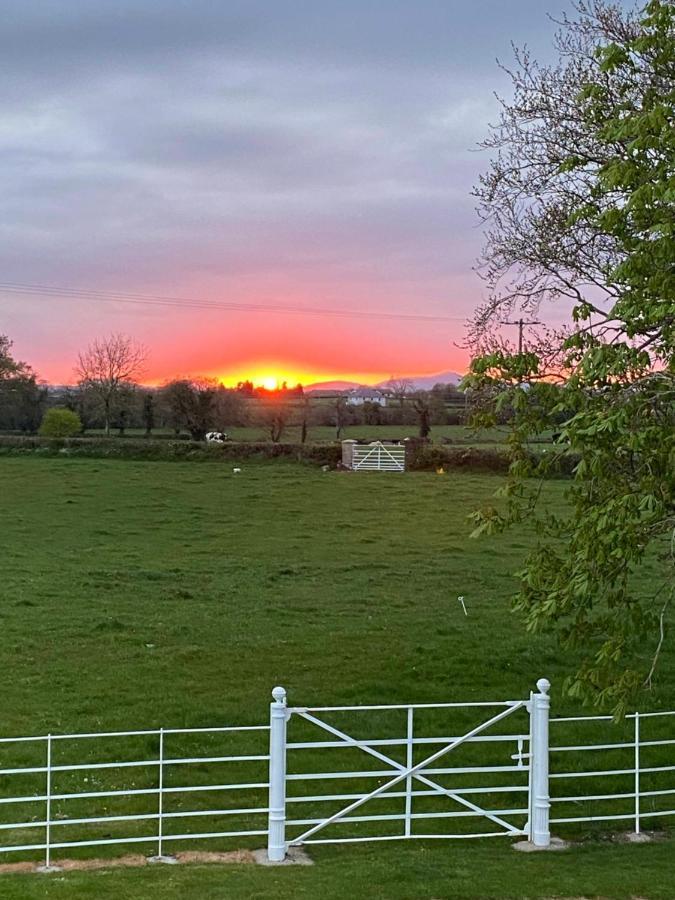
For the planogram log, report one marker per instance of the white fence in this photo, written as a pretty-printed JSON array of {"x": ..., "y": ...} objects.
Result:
[
  {"x": 625, "y": 771},
  {"x": 73, "y": 790},
  {"x": 334, "y": 775}
]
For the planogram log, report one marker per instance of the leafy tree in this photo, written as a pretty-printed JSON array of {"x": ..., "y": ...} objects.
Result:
[
  {"x": 108, "y": 369},
  {"x": 9, "y": 367},
  {"x": 148, "y": 412},
  {"x": 372, "y": 413},
  {"x": 25, "y": 404},
  {"x": 83, "y": 402},
  {"x": 580, "y": 205},
  {"x": 60, "y": 422},
  {"x": 22, "y": 398},
  {"x": 192, "y": 405}
]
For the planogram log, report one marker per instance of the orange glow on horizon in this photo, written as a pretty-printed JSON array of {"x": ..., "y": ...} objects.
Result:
[{"x": 271, "y": 376}]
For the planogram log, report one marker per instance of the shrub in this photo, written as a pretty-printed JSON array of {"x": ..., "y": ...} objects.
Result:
[{"x": 60, "y": 422}]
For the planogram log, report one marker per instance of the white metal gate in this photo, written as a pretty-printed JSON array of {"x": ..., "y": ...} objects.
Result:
[
  {"x": 412, "y": 776},
  {"x": 378, "y": 457}
]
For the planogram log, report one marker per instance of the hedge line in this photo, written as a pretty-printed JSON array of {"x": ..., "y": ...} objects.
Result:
[
  {"x": 193, "y": 451},
  {"x": 421, "y": 457},
  {"x": 485, "y": 459}
]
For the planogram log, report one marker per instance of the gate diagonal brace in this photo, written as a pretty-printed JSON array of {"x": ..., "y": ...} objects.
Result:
[
  {"x": 422, "y": 778},
  {"x": 392, "y": 457},
  {"x": 366, "y": 457},
  {"x": 405, "y": 772},
  {"x": 380, "y": 448}
]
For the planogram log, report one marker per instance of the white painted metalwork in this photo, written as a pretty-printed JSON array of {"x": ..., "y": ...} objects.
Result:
[
  {"x": 160, "y": 793},
  {"x": 631, "y": 797},
  {"x": 276, "y": 838},
  {"x": 539, "y": 796},
  {"x": 637, "y": 772},
  {"x": 49, "y": 803},
  {"x": 406, "y": 774},
  {"x": 425, "y": 773},
  {"x": 378, "y": 457},
  {"x": 121, "y": 828}
]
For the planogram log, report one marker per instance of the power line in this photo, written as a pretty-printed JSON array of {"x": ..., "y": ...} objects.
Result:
[{"x": 69, "y": 293}]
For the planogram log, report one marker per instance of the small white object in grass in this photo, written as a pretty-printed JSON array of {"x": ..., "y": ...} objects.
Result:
[
  {"x": 325, "y": 468},
  {"x": 236, "y": 471},
  {"x": 461, "y": 600}
]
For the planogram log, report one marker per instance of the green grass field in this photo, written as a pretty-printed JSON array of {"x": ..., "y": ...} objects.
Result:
[{"x": 147, "y": 594}]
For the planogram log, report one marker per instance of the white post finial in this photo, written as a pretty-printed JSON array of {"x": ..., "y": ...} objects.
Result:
[
  {"x": 539, "y": 750},
  {"x": 279, "y": 694},
  {"x": 544, "y": 685},
  {"x": 276, "y": 823}
]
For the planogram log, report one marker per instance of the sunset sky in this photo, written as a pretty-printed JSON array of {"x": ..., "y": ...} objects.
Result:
[{"x": 297, "y": 153}]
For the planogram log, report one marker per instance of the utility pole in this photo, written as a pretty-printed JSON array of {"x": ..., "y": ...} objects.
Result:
[{"x": 521, "y": 323}]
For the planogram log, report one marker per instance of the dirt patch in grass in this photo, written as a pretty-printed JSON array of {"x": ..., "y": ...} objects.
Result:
[
  {"x": 131, "y": 861},
  {"x": 199, "y": 856},
  {"x": 13, "y": 868}
]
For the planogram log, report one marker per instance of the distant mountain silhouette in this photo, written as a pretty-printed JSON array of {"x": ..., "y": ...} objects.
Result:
[
  {"x": 426, "y": 382},
  {"x": 421, "y": 382},
  {"x": 331, "y": 386}
]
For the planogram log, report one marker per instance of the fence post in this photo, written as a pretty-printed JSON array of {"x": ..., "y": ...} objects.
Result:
[
  {"x": 539, "y": 796},
  {"x": 48, "y": 837},
  {"x": 276, "y": 828},
  {"x": 160, "y": 796},
  {"x": 636, "y": 752}
]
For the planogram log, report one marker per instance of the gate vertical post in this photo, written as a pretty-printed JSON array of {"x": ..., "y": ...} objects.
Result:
[
  {"x": 539, "y": 752},
  {"x": 276, "y": 827}
]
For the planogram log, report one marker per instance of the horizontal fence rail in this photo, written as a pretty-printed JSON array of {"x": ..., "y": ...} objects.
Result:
[
  {"x": 337, "y": 774},
  {"x": 70, "y": 803},
  {"x": 623, "y": 778}
]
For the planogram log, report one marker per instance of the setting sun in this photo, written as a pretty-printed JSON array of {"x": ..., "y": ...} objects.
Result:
[{"x": 269, "y": 382}]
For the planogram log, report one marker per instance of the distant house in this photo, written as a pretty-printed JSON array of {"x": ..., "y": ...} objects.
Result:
[{"x": 361, "y": 395}]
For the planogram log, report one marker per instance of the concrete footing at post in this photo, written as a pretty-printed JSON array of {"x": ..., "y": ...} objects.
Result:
[
  {"x": 642, "y": 837},
  {"x": 295, "y": 856},
  {"x": 529, "y": 847}
]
